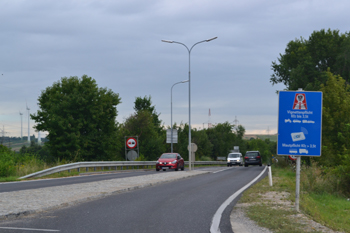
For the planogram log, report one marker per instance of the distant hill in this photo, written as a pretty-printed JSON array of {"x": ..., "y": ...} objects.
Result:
[{"x": 272, "y": 137}]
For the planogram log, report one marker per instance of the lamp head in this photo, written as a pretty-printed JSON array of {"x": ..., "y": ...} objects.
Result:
[
  {"x": 168, "y": 41},
  {"x": 211, "y": 39}
]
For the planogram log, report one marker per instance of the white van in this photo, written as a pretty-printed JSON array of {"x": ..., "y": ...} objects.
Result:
[{"x": 234, "y": 158}]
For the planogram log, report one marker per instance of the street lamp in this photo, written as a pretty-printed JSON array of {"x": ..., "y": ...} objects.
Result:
[
  {"x": 189, "y": 93},
  {"x": 171, "y": 104}
]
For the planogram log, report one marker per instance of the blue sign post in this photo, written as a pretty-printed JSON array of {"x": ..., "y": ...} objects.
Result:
[{"x": 299, "y": 123}]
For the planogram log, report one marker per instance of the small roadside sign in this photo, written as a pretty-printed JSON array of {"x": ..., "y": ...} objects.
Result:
[
  {"x": 131, "y": 143},
  {"x": 299, "y": 123}
]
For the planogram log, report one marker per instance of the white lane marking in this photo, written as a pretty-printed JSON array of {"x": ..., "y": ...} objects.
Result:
[
  {"x": 214, "y": 228},
  {"x": 27, "y": 229},
  {"x": 222, "y": 170}
]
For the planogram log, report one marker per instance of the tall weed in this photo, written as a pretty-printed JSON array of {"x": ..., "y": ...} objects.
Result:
[{"x": 320, "y": 180}]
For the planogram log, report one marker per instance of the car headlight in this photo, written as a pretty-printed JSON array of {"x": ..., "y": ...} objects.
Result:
[{"x": 173, "y": 162}]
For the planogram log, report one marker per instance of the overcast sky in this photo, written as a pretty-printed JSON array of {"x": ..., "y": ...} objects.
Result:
[{"x": 118, "y": 43}]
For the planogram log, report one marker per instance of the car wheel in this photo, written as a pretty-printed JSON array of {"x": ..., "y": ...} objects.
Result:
[
  {"x": 246, "y": 165},
  {"x": 164, "y": 169},
  {"x": 176, "y": 169},
  {"x": 228, "y": 165},
  {"x": 260, "y": 164},
  {"x": 157, "y": 170},
  {"x": 240, "y": 164},
  {"x": 183, "y": 167}
]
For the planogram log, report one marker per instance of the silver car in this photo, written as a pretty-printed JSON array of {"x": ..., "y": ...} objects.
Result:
[{"x": 234, "y": 158}]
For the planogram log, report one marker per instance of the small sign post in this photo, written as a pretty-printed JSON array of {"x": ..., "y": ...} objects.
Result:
[{"x": 299, "y": 128}]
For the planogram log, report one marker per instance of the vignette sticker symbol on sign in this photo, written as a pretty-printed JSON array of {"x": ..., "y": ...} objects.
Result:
[{"x": 300, "y": 101}]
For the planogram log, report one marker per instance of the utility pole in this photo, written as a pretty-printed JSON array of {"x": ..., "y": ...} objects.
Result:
[
  {"x": 28, "y": 125},
  {"x": 21, "y": 114}
]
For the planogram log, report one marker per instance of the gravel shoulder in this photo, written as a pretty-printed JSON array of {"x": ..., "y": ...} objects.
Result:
[{"x": 20, "y": 203}]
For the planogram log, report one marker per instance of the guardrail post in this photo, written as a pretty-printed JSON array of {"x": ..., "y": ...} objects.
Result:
[
  {"x": 68, "y": 170},
  {"x": 78, "y": 169},
  {"x": 101, "y": 168},
  {"x": 94, "y": 168},
  {"x": 109, "y": 168},
  {"x": 121, "y": 168},
  {"x": 87, "y": 169}
]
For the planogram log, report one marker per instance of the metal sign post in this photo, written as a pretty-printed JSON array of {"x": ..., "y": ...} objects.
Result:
[{"x": 299, "y": 127}]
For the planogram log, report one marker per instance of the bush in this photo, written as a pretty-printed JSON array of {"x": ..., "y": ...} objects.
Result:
[
  {"x": 319, "y": 180},
  {"x": 7, "y": 164},
  {"x": 205, "y": 158}
]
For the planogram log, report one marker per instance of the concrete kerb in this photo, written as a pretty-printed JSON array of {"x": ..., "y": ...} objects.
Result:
[{"x": 94, "y": 196}]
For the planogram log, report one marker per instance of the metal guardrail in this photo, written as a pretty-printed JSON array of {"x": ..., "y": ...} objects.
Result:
[{"x": 109, "y": 164}]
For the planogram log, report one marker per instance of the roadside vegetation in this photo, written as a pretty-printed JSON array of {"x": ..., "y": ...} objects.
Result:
[{"x": 321, "y": 200}]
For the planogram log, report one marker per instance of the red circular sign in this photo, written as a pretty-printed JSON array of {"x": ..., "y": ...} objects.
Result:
[
  {"x": 131, "y": 143},
  {"x": 292, "y": 157}
]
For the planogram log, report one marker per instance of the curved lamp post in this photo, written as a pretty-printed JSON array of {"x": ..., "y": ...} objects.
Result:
[
  {"x": 189, "y": 93},
  {"x": 171, "y": 104}
]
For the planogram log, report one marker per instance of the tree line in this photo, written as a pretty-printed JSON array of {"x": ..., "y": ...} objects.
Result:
[{"x": 80, "y": 118}]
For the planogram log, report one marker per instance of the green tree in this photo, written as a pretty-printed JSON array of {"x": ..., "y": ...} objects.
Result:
[
  {"x": 223, "y": 139},
  {"x": 335, "y": 121},
  {"x": 151, "y": 137},
  {"x": 304, "y": 63},
  {"x": 336, "y": 129},
  {"x": 145, "y": 104},
  {"x": 80, "y": 119}
]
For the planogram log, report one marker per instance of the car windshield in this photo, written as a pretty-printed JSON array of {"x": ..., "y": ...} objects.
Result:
[
  {"x": 252, "y": 154},
  {"x": 168, "y": 156},
  {"x": 233, "y": 155}
]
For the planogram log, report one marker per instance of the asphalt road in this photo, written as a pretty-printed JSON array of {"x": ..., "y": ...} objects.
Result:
[{"x": 186, "y": 205}]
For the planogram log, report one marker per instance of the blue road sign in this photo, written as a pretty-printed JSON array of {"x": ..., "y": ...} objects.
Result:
[{"x": 299, "y": 123}]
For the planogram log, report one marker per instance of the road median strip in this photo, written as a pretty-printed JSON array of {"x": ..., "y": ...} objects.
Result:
[{"x": 21, "y": 203}]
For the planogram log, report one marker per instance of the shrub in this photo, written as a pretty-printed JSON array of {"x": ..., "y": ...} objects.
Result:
[{"x": 7, "y": 164}]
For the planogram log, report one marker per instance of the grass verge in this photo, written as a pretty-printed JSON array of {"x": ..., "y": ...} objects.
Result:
[{"x": 274, "y": 207}]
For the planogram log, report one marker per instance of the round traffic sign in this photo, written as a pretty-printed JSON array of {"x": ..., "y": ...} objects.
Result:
[
  {"x": 292, "y": 157},
  {"x": 132, "y": 155},
  {"x": 193, "y": 147},
  {"x": 131, "y": 143}
]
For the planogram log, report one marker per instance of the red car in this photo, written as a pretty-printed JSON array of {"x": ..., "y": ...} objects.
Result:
[{"x": 170, "y": 161}]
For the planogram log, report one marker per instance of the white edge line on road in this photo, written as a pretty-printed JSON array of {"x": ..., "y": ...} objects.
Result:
[
  {"x": 214, "y": 228},
  {"x": 221, "y": 170},
  {"x": 27, "y": 229}
]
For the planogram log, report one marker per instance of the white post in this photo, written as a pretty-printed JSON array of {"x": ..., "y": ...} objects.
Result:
[{"x": 270, "y": 175}]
